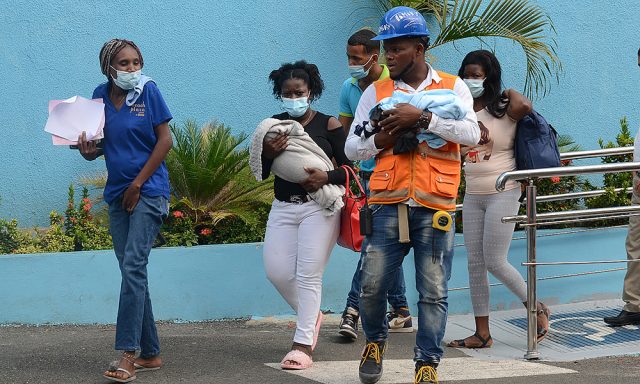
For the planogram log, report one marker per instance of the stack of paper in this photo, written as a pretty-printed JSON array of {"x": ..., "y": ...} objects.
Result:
[{"x": 69, "y": 118}]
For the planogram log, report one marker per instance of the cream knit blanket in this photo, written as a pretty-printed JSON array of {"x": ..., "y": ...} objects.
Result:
[{"x": 301, "y": 152}]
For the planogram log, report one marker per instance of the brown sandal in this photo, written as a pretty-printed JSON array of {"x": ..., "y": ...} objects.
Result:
[{"x": 543, "y": 330}]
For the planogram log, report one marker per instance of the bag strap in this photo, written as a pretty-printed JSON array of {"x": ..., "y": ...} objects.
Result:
[
  {"x": 348, "y": 170},
  {"x": 347, "y": 191}
]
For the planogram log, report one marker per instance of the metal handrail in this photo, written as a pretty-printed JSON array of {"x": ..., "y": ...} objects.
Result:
[
  {"x": 530, "y": 174},
  {"x": 532, "y": 220},
  {"x": 578, "y": 195},
  {"x": 554, "y": 277},
  {"x": 596, "y": 153},
  {"x": 584, "y": 262},
  {"x": 561, "y": 233},
  {"x": 597, "y": 213},
  {"x": 568, "y": 196}
]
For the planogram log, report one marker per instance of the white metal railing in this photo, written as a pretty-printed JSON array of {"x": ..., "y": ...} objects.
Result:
[{"x": 531, "y": 221}]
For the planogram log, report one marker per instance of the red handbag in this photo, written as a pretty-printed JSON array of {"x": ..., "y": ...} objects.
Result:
[{"x": 350, "y": 236}]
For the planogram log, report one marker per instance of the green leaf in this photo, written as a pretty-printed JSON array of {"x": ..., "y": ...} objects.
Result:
[
  {"x": 210, "y": 175},
  {"x": 522, "y": 21}
]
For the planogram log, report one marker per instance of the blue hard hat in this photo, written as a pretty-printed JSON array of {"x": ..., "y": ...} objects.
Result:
[{"x": 402, "y": 22}]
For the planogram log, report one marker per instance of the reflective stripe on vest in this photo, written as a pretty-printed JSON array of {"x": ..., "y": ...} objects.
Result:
[{"x": 429, "y": 176}]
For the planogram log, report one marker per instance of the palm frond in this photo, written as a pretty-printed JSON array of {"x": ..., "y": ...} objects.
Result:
[
  {"x": 521, "y": 21},
  {"x": 518, "y": 20},
  {"x": 567, "y": 144},
  {"x": 210, "y": 175}
]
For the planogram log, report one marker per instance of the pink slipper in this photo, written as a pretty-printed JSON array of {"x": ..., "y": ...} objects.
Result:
[
  {"x": 317, "y": 330},
  {"x": 296, "y": 360}
]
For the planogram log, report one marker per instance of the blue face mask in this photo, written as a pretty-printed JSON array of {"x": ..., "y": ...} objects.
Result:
[
  {"x": 358, "y": 72},
  {"x": 127, "y": 80},
  {"x": 476, "y": 86},
  {"x": 295, "y": 107}
]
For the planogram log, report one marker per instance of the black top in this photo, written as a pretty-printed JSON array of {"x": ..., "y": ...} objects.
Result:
[{"x": 330, "y": 141}]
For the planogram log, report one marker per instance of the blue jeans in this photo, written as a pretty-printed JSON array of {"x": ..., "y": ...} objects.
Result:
[
  {"x": 396, "y": 295},
  {"x": 433, "y": 254},
  {"x": 133, "y": 235}
]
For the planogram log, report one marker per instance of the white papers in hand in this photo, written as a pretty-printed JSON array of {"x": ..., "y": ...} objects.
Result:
[{"x": 69, "y": 118}]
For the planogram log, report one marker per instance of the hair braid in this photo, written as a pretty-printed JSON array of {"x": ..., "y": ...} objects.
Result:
[{"x": 111, "y": 48}]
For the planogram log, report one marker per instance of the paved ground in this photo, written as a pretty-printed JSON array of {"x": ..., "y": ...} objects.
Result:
[{"x": 238, "y": 351}]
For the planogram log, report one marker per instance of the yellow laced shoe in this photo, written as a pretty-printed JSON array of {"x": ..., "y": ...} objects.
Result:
[
  {"x": 370, "y": 370},
  {"x": 426, "y": 374}
]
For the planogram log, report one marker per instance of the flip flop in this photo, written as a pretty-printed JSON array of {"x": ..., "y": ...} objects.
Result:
[
  {"x": 301, "y": 360},
  {"x": 142, "y": 368},
  {"x": 461, "y": 343},
  {"x": 127, "y": 380},
  {"x": 317, "y": 330}
]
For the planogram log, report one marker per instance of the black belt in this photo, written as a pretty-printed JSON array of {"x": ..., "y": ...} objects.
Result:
[{"x": 298, "y": 199}]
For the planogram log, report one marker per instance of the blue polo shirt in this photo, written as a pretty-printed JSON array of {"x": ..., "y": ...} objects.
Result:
[
  {"x": 129, "y": 139},
  {"x": 349, "y": 97}
]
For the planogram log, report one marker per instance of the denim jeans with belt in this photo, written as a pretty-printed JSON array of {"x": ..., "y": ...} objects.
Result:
[
  {"x": 133, "y": 235},
  {"x": 433, "y": 254}
]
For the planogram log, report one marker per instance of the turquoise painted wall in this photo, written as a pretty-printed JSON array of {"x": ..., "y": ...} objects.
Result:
[
  {"x": 211, "y": 60},
  {"x": 228, "y": 281}
]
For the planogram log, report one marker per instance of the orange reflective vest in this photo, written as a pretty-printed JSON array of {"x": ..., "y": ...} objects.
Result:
[{"x": 429, "y": 176}]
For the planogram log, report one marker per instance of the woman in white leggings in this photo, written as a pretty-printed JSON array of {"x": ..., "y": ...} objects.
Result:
[
  {"x": 486, "y": 238},
  {"x": 300, "y": 236}
]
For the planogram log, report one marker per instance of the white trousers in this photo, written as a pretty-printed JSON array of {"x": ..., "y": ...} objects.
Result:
[{"x": 297, "y": 246}]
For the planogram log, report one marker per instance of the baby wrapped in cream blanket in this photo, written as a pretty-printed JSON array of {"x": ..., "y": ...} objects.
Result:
[{"x": 302, "y": 152}]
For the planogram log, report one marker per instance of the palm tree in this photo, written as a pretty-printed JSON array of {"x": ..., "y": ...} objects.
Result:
[
  {"x": 210, "y": 175},
  {"x": 519, "y": 20}
]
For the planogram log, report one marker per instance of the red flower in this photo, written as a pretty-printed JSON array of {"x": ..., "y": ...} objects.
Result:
[
  {"x": 87, "y": 207},
  {"x": 72, "y": 219},
  {"x": 178, "y": 214},
  {"x": 555, "y": 179},
  {"x": 565, "y": 162},
  {"x": 206, "y": 231},
  {"x": 86, "y": 200}
]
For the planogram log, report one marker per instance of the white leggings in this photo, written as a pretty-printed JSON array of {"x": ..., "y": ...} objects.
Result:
[
  {"x": 297, "y": 246},
  {"x": 487, "y": 240}
]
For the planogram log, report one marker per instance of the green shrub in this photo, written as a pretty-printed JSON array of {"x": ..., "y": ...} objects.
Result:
[
  {"x": 11, "y": 237},
  {"x": 79, "y": 224},
  {"x": 210, "y": 175},
  {"x": 55, "y": 239},
  {"x": 177, "y": 231},
  {"x": 235, "y": 230},
  {"x": 611, "y": 181}
]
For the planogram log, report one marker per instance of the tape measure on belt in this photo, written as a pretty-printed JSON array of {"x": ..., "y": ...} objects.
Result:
[{"x": 442, "y": 220}]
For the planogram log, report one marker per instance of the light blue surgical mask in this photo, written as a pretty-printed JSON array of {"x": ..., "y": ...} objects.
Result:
[
  {"x": 358, "y": 72},
  {"x": 295, "y": 107},
  {"x": 127, "y": 80},
  {"x": 476, "y": 86}
]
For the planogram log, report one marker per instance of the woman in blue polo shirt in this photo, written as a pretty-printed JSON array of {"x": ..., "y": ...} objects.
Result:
[{"x": 136, "y": 142}]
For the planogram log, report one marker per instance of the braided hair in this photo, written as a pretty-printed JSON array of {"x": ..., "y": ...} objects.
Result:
[
  {"x": 110, "y": 49},
  {"x": 299, "y": 70}
]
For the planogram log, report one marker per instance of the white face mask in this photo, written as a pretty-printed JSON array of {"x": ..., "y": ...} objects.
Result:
[
  {"x": 127, "y": 80},
  {"x": 295, "y": 107},
  {"x": 476, "y": 86}
]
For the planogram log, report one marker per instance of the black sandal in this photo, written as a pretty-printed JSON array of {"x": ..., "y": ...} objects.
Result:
[{"x": 461, "y": 344}]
